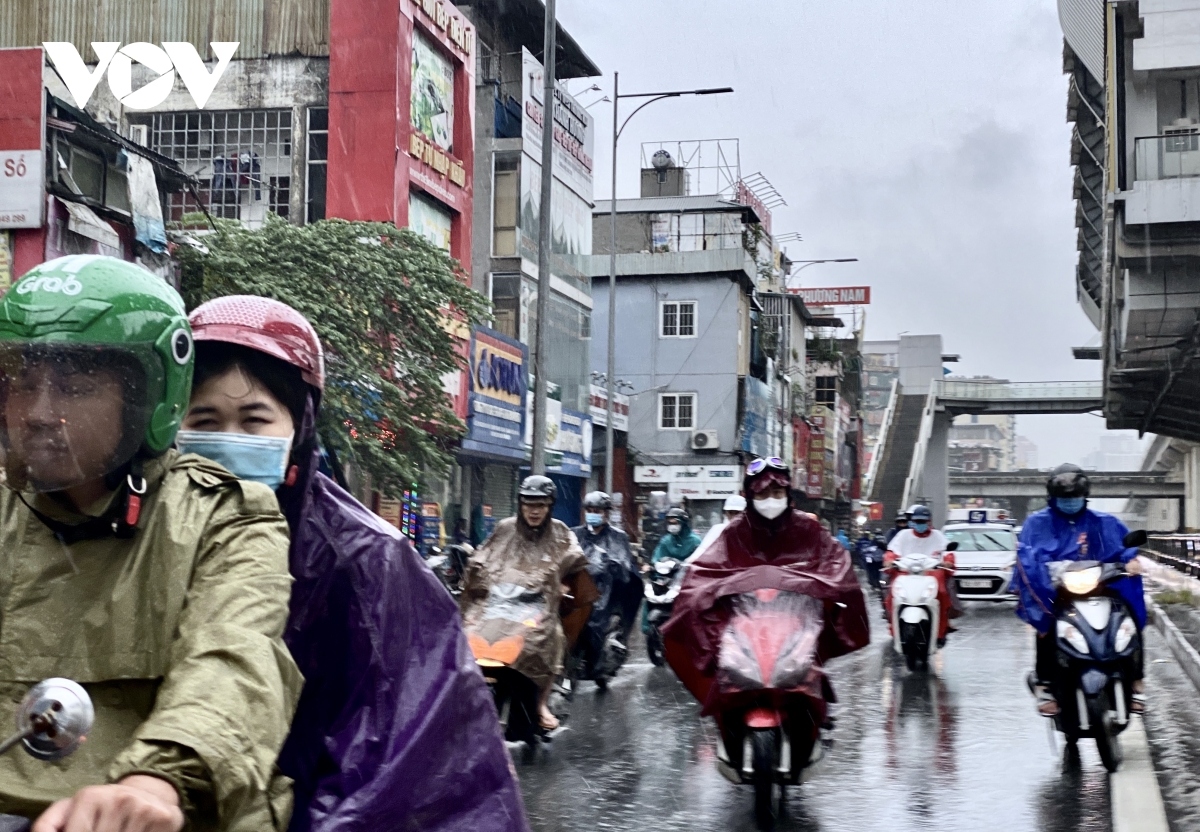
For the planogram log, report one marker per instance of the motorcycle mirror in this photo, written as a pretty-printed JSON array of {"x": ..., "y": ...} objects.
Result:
[
  {"x": 54, "y": 718},
  {"x": 952, "y": 546},
  {"x": 1135, "y": 540}
]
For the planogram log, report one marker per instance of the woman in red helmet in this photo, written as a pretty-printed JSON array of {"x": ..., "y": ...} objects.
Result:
[{"x": 395, "y": 728}]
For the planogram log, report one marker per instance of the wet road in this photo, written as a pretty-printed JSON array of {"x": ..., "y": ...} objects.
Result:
[{"x": 962, "y": 749}]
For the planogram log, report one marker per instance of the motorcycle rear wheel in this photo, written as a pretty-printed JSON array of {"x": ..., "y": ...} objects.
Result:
[
  {"x": 768, "y": 794},
  {"x": 1107, "y": 744}
]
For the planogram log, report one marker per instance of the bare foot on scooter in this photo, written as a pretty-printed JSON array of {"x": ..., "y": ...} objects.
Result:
[
  {"x": 1047, "y": 705},
  {"x": 547, "y": 719}
]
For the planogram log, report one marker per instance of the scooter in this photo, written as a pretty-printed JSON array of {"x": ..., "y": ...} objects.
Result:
[
  {"x": 601, "y": 650},
  {"x": 916, "y": 613},
  {"x": 53, "y": 720},
  {"x": 450, "y": 565},
  {"x": 774, "y": 718},
  {"x": 1097, "y": 639},
  {"x": 663, "y": 582},
  {"x": 497, "y": 641},
  {"x": 871, "y": 554}
]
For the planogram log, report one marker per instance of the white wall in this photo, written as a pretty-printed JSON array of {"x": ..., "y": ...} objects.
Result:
[{"x": 1172, "y": 35}]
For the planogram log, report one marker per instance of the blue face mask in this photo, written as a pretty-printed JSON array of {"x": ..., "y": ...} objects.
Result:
[
  {"x": 920, "y": 528},
  {"x": 259, "y": 458},
  {"x": 1070, "y": 505},
  {"x": 593, "y": 518}
]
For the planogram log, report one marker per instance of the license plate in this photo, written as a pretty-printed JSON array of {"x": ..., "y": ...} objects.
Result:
[{"x": 976, "y": 583}]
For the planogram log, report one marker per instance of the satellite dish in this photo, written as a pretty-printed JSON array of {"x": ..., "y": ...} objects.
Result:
[{"x": 661, "y": 160}]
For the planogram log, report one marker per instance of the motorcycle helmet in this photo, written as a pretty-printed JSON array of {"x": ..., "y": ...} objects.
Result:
[
  {"x": 538, "y": 487},
  {"x": 901, "y": 515},
  {"x": 99, "y": 352},
  {"x": 677, "y": 514},
  {"x": 772, "y": 472},
  {"x": 735, "y": 502},
  {"x": 265, "y": 325},
  {"x": 1068, "y": 480},
  {"x": 597, "y": 501}
]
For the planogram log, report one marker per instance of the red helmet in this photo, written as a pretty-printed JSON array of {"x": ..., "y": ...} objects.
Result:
[{"x": 265, "y": 325}]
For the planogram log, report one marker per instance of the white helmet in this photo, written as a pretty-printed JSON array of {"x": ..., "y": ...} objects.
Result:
[{"x": 735, "y": 503}]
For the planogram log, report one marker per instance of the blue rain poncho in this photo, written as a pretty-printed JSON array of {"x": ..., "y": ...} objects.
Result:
[{"x": 1048, "y": 536}]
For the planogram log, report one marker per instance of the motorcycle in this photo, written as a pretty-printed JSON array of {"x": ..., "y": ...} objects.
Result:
[
  {"x": 496, "y": 642},
  {"x": 1097, "y": 638},
  {"x": 775, "y": 718},
  {"x": 916, "y": 612},
  {"x": 601, "y": 650},
  {"x": 871, "y": 554},
  {"x": 450, "y": 565},
  {"x": 663, "y": 582},
  {"x": 53, "y": 720}
]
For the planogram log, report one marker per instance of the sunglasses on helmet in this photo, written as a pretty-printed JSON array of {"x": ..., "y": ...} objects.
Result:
[{"x": 759, "y": 465}]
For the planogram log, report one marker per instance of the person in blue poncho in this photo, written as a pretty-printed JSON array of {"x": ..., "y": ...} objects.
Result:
[{"x": 1067, "y": 530}]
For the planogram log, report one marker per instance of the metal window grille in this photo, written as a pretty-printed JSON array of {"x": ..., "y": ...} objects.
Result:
[
  {"x": 670, "y": 320},
  {"x": 826, "y": 390},
  {"x": 678, "y": 411},
  {"x": 668, "y": 412},
  {"x": 686, "y": 408},
  {"x": 687, "y": 319},
  {"x": 242, "y": 158}
]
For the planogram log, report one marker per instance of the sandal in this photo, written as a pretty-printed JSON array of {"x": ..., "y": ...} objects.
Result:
[
  {"x": 1047, "y": 705},
  {"x": 548, "y": 722},
  {"x": 1137, "y": 703}
]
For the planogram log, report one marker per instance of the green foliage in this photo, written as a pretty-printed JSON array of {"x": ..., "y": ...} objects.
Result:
[
  {"x": 378, "y": 297},
  {"x": 1177, "y": 596}
]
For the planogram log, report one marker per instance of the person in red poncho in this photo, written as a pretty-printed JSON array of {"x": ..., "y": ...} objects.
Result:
[{"x": 770, "y": 546}]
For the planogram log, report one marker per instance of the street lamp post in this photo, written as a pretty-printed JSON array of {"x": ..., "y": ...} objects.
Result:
[
  {"x": 807, "y": 263},
  {"x": 618, "y": 128}
]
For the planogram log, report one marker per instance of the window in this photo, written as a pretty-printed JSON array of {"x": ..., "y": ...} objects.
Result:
[
  {"x": 679, "y": 319},
  {"x": 505, "y": 208},
  {"x": 677, "y": 411},
  {"x": 318, "y": 163},
  {"x": 826, "y": 390}
]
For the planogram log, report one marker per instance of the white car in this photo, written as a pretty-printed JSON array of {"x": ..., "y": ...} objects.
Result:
[{"x": 984, "y": 560}]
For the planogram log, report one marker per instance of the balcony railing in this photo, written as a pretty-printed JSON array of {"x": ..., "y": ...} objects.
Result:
[{"x": 1167, "y": 157}]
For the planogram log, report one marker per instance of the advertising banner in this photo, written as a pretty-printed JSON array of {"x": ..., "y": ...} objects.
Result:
[
  {"x": 835, "y": 296},
  {"x": 574, "y": 129},
  {"x": 755, "y": 434},
  {"x": 814, "y": 487},
  {"x": 432, "y": 93},
  {"x": 573, "y": 442},
  {"x": 496, "y": 419},
  {"x": 599, "y": 408},
  {"x": 22, "y": 131}
]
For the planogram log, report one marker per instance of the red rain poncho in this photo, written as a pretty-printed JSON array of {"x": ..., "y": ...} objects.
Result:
[{"x": 793, "y": 553}]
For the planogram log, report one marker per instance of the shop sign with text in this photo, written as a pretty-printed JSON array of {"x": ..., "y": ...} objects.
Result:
[{"x": 496, "y": 419}]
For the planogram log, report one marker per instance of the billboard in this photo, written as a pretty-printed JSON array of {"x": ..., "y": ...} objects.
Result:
[
  {"x": 496, "y": 418},
  {"x": 755, "y": 417},
  {"x": 599, "y": 408},
  {"x": 836, "y": 296},
  {"x": 432, "y": 99},
  {"x": 22, "y": 117},
  {"x": 574, "y": 129}
]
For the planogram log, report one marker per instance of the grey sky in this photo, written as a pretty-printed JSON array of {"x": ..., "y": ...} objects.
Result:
[{"x": 927, "y": 139}]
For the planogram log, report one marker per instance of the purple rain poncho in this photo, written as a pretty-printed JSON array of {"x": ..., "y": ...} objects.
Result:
[{"x": 396, "y": 728}]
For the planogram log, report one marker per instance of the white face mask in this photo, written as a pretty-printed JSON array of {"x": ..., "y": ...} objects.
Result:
[{"x": 769, "y": 508}]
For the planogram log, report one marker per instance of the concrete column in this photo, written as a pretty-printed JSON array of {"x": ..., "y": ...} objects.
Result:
[
  {"x": 935, "y": 479},
  {"x": 1191, "y": 480}
]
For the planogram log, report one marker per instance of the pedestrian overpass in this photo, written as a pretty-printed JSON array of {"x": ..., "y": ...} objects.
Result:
[{"x": 910, "y": 463}]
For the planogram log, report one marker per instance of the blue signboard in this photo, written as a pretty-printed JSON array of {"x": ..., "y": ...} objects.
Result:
[
  {"x": 574, "y": 442},
  {"x": 755, "y": 439},
  {"x": 496, "y": 415}
]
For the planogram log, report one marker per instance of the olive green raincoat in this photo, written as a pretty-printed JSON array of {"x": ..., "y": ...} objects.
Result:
[{"x": 175, "y": 633}]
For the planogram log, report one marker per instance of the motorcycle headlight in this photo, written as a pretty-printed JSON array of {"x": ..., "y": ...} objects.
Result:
[
  {"x": 664, "y": 567},
  {"x": 1069, "y": 633},
  {"x": 1081, "y": 582},
  {"x": 1125, "y": 634}
]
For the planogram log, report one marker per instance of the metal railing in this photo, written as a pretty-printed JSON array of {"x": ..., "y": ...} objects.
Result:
[
  {"x": 1019, "y": 390},
  {"x": 1166, "y": 157},
  {"x": 1180, "y": 551},
  {"x": 880, "y": 446}
]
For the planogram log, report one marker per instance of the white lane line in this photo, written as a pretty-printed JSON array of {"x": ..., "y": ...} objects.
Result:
[{"x": 1137, "y": 804}]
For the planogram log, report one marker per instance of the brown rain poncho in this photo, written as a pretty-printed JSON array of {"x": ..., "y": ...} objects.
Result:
[{"x": 541, "y": 564}]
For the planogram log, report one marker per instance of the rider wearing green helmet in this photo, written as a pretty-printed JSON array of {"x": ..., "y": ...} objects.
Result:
[{"x": 156, "y": 580}]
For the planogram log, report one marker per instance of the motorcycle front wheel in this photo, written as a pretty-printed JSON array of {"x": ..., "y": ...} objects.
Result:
[
  {"x": 768, "y": 794},
  {"x": 1107, "y": 744},
  {"x": 654, "y": 647}
]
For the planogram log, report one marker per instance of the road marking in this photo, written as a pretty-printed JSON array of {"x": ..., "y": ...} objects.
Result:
[{"x": 1137, "y": 804}]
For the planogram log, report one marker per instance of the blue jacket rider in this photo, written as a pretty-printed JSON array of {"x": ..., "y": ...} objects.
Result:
[{"x": 1067, "y": 530}]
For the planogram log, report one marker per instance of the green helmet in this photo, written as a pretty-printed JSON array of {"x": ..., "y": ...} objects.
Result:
[{"x": 87, "y": 314}]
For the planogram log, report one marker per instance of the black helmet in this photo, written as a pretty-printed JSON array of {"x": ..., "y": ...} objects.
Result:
[
  {"x": 901, "y": 515},
  {"x": 1068, "y": 480},
  {"x": 921, "y": 513},
  {"x": 597, "y": 500},
  {"x": 677, "y": 514},
  {"x": 538, "y": 486}
]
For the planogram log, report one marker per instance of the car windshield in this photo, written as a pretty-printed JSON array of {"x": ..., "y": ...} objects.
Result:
[{"x": 982, "y": 540}]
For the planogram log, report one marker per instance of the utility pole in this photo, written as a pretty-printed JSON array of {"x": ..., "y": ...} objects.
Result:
[{"x": 538, "y": 461}]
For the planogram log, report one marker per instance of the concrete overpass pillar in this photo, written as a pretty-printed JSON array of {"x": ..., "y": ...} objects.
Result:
[
  {"x": 1191, "y": 487},
  {"x": 935, "y": 479}
]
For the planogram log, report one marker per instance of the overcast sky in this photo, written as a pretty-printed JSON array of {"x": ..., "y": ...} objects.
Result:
[{"x": 928, "y": 139}]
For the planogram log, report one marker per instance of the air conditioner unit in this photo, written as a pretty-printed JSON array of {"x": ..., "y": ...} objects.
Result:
[{"x": 705, "y": 440}]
